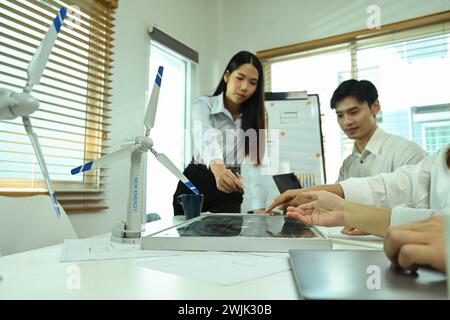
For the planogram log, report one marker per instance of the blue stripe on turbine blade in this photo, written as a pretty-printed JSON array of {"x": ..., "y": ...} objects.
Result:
[
  {"x": 76, "y": 170},
  {"x": 55, "y": 203},
  {"x": 158, "y": 80},
  {"x": 57, "y": 24},
  {"x": 59, "y": 19},
  {"x": 63, "y": 13},
  {"x": 191, "y": 186},
  {"x": 54, "y": 198},
  {"x": 88, "y": 166},
  {"x": 160, "y": 71}
]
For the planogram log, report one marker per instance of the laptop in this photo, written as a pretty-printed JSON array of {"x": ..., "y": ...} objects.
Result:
[{"x": 361, "y": 275}]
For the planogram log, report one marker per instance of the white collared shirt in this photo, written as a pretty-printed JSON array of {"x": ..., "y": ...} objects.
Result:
[
  {"x": 383, "y": 153},
  {"x": 425, "y": 185},
  {"x": 210, "y": 122},
  {"x": 211, "y": 141}
]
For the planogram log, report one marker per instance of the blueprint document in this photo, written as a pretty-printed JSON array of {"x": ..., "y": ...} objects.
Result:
[{"x": 105, "y": 249}]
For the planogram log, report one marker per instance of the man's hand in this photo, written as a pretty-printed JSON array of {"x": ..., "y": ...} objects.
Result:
[
  {"x": 323, "y": 209},
  {"x": 417, "y": 244}
]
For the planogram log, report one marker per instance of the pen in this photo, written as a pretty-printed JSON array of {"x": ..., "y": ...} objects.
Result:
[{"x": 240, "y": 190}]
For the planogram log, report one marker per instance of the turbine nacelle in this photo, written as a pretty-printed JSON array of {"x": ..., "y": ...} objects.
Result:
[
  {"x": 16, "y": 104},
  {"x": 145, "y": 142}
]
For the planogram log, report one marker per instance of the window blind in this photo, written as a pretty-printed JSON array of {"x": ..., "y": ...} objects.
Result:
[{"x": 73, "y": 120}]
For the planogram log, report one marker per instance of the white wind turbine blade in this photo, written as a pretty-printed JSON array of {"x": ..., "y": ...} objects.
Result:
[
  {"x": 165, "y": 161},
  {"x": 39, "y": 60},
  {"x": 150, "y": 114},
  {"x": 41, "y": 161},
  {"x": 34, "y": 71},
  {"x": 112, "y": 157}
]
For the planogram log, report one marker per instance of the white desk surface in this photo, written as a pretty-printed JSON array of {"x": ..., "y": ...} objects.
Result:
[{"x": 39, "y": 274}]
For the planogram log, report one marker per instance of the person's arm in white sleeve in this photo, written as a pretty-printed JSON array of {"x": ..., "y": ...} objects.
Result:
[
  {"x": 407, "y": 186},
  {"x": 208, "y": 141}
]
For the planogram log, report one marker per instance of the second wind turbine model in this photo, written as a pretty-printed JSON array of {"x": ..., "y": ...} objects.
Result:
[{"x": 131, "y": 230}]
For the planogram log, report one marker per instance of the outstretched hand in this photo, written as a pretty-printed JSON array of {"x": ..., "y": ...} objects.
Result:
[
  {"x": 321, "y": 209},
  {"x": 292, "y": 197}
]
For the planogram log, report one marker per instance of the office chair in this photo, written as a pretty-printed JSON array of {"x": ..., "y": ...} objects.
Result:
[
  {"x": 28, "y": 223},
  {"x": 152, "y": 216}
]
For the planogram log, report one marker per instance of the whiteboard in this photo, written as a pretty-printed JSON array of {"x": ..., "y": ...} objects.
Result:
[{"x": 295, "y": 133}]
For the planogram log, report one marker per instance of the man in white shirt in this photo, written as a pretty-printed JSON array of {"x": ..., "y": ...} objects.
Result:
[{"x": 374, "y": 151}]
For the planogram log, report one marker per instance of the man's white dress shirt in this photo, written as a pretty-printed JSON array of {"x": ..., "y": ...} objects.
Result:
[{"x": 383, "y": 153}]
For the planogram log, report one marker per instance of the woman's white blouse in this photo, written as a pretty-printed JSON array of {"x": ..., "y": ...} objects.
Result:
[{"x": 216, "y": 136}]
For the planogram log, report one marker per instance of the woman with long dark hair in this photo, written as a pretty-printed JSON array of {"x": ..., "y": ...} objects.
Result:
[{"x": 228, "y": 127}]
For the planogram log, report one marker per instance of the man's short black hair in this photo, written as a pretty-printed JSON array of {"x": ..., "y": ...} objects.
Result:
[{"x": 362, "y": 90}]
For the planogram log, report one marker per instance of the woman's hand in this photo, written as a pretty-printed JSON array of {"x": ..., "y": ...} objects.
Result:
[
  {"x": 227, "y": 180},
  {"x": 322, "y": 209}
]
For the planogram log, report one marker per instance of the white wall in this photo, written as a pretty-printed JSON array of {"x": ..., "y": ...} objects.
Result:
[
  {"x": 216, "y": 29},
  {"x": 263, "y": 24}
]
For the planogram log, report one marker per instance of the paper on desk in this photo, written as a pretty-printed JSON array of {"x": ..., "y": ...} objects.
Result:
[
  {"x": 105, "y": 249},
  {"x": 369, "y": 241},
  {"x": 335, "y": 232},
  {"x": 224, "y": 268}
]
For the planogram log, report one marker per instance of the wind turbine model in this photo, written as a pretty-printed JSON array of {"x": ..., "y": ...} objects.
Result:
[
  {"x": 22, "y": 104},
  {"x": 130, "y": 231}
]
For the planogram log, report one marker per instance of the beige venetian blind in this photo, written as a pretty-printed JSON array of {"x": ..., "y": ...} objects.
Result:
[{"x": 72, "y": 122}]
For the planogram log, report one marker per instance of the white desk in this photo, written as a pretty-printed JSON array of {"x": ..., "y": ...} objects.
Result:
[{"x": 38, "y": 274}]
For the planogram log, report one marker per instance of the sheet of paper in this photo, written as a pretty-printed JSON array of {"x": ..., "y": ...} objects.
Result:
[
  {"x": 368, "y": 241},
  {"x": 105, "y": 249},
  {"x": 224, "y": 268},
  {"x": 335, "y": 232}
]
